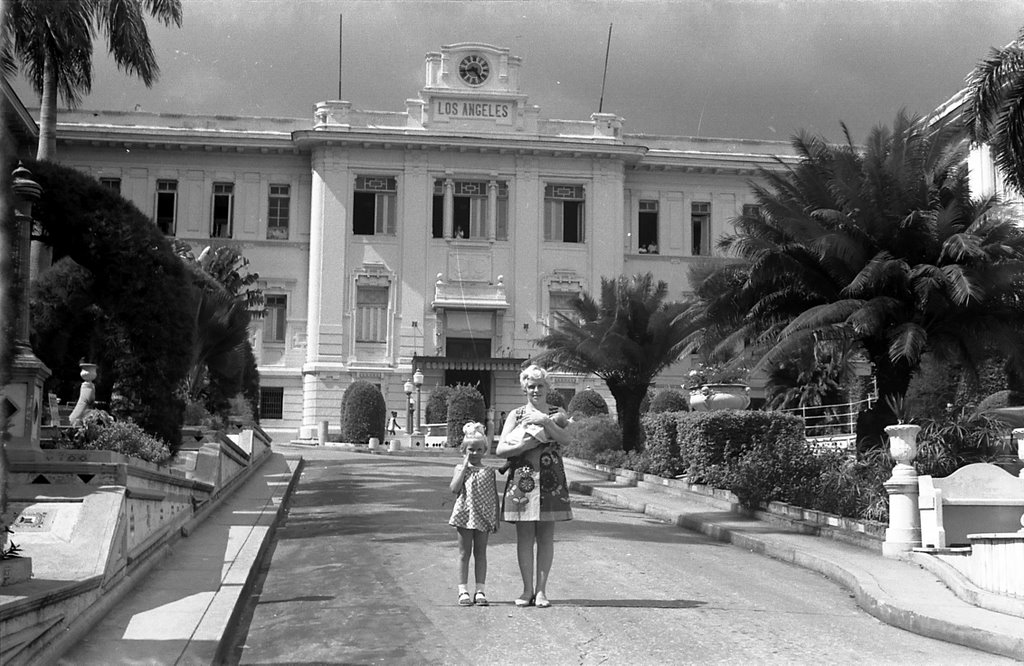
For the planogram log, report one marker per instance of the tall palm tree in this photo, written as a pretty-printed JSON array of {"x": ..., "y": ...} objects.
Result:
[
  {"x": 994, "y": 108},
  {"x": 882, "y": 246},
  {"x": 53, "y": 41},
  {"x": 626, "y": 338}
]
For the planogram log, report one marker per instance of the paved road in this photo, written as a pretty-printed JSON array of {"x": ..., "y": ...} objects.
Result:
[{"x": 363, "y": 572}]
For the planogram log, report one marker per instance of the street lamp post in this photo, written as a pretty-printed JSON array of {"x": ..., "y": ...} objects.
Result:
[
  {"x": 408, "y": 405},
  {"x": 417, "y": 380}
]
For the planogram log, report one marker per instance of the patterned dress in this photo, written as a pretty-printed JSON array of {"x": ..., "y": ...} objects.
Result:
[
  {"x": 536, "y": 487},
  {"x": 476, "y": 506}
]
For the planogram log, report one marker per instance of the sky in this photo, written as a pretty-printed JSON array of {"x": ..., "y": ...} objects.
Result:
[{"x": 753, "y": 69}]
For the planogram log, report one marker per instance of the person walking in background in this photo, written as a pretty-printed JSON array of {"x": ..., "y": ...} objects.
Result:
[
  {"x": 393, "y": 426},
  {"x": 536, "y": 494},
  {"x": 475, "y": 514}
]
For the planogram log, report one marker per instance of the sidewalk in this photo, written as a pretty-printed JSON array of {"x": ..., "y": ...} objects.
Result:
[
  {"x": 179, "y": 613},
  {"x": 896, "y": 592}
]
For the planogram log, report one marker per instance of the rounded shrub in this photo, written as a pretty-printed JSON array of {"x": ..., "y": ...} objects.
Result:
[
  {"x": 465, "y": 405},
  {"x": 587, "y": 403},
  {"x": 596, "y": 438},
  {"x": 555, "y": 399},
  {"x": 436, "y": 410},
  {"x": 363, "y": 413},
  {"x": 669, "y": 400}
]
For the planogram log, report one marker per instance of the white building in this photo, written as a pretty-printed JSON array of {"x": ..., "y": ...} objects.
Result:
[{"x": 440, "y": 238}]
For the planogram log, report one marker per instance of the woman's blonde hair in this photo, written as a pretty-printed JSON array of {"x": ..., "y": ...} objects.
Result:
[
  {"x": 533, "y": 373},
  {"x": 473, "y": 430}
]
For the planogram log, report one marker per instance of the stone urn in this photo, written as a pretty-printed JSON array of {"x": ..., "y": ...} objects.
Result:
[
  {"x": 711, "y": 397},
  {"x": 374, "y": 443},
  {"x": 903, "y": 442}
]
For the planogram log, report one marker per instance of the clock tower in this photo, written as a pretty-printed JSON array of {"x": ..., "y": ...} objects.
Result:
[{"x": 473, "y": 87}]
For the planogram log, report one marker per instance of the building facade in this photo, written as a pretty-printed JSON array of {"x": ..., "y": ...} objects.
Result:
[{"x": 439, "y": 238}]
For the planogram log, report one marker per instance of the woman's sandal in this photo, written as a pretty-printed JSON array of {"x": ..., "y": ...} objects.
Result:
[
  {"x": 465, "y": 599},
  {"x": 523, "y": 603},
  {"x": 480, "y": 599},
  {"x": 542, "y": 602}
]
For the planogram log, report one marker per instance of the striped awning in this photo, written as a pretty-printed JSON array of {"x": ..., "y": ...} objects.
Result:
[{"x": 449, "y": 363}]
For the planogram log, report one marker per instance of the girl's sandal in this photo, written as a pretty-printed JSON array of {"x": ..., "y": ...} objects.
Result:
[
  {"x": 523, "y": 603},
  {"x": 542, "y": 602},
  {"x": 465, "y": 599},
  {"x": 480, "y": 599}
]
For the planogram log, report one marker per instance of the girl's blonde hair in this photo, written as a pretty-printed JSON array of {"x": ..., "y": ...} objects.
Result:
[
  {"x": 533, "y": 373},
  {"x": 473, "y": 430}
]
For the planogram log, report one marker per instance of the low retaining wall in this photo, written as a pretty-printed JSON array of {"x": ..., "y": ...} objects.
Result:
[
  {"x": 94, "y": 522},
  {"x": 864, "y": 533}
]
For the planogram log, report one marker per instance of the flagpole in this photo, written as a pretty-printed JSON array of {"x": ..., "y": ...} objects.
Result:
[
  {"x": 341, "y": 21},
  {"x": 600, "y": 104}
]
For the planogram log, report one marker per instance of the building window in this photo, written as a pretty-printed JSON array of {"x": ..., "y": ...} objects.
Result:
[
  {"x": 501, "y": 214},
  {"x": 563, "y": 213},
  {"x": 112, "y": 183},
  {"x": 468, "y": 348},
  {"x": 166, "y": 205},
  {"x": 647, "y": 227},
  {"x": 371, "y": 314},
  {"x": 700, "y": 228},
  {"x": 271, "y": 402},
  {"x": 560, "y": 302},
  {"x": 275, "y": 317},
  {"x": 278, "y": 207},
  {"x": 469, "y": 209},
  {"x": 222, "y": 210},
  {"x": 374, "y": 206}
]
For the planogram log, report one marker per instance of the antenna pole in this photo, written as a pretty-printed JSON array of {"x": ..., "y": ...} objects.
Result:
[
  {"x": 607, "y": 48},
  {"x": 341, "y": 21}
]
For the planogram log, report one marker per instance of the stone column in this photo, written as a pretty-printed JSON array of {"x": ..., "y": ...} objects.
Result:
[
  {"x": 24, "y": 394},
  {"x": 449, "y": 208},
  {"x": 492, "y": 209},
  {"x": 904, "y": 531}
]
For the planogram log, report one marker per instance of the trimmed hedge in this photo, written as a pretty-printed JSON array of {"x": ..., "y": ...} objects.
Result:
[
  {"x": 597, "y": 438},
  {"x": 669, "y": 400},
  {"x": 587, "y": 403},
  {"x": 436, "y": 410},
  {"x": 465, "y": 405},
  {"x": 363, "y": 413}
]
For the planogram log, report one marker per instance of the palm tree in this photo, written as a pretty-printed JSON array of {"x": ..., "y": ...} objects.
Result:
[
  {"x": 994, "y": 108},
  {"x": 53, "y": 41},
  {"x": 626, "y": 338},
  {"x": 883, "y": 247}
]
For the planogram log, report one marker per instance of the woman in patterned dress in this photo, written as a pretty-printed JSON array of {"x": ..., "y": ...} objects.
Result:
[
  {"x": 475, "y": 513},
  {"x": 536, "y": 495}
]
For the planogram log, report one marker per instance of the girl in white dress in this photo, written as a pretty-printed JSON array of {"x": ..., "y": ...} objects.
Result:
[{"x": 475, "y": 514}]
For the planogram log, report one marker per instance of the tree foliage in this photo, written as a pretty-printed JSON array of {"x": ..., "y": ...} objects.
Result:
[
  {"x": 53, "y": 41},
  {"x": 882, "y": 247},
  {"x": 626, "y": 337},
  {"x": 135, "y": 299}
]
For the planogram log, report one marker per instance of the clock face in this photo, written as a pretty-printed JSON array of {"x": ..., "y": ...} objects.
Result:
[{"x": 474, "y": 70}]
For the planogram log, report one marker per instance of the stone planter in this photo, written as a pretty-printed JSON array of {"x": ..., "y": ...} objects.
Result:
[
  {"x": 711, "y": 397},
  {"x": 903, "y": 442}
]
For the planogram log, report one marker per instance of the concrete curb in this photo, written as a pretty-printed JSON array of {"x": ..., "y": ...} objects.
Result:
[
  {"x": 965, "y": 589},
  {"x": 867, "y": 593},
  {"x": 252, "y": 557}
]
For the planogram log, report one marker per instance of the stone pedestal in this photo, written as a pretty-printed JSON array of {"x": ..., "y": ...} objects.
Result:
[{"x": 904, "y": 531}]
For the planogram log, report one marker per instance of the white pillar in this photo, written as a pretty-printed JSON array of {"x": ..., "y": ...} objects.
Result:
[
  {"x": 904, "y": 531},
  {"x": 449, "y": 208}
]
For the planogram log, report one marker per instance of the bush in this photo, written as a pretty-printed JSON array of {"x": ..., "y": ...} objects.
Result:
[
  {"x": 587, "y": 403},
  {"x": 436, "y": 410},
  {"x": 465, "y": 405},
  {"x": 590, "y": 437},
  {"x": 661, "y": 446},
  {"x": 363, "y": 413},
  {"x": 555, "y": 399},
  {"x": 669, "y": 400},
  {"x": 99, "y": 431}
]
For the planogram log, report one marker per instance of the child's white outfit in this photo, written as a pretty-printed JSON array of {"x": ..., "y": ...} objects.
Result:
[{"x": 476, "y": 506}]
